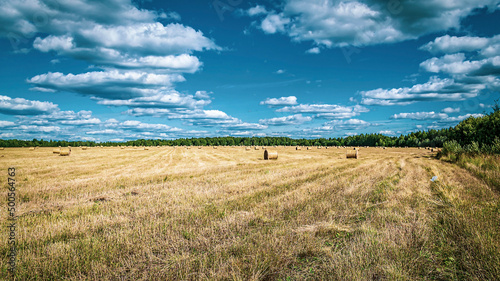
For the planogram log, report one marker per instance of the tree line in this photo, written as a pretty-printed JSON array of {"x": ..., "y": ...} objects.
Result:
[{"x": 430, "y": 138}]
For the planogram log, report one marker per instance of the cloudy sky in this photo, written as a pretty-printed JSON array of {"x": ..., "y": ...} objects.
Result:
[{"x": 121, "y": 69}]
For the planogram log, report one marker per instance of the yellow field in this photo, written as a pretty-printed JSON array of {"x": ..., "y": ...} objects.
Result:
[{"x": 226, "y": 214}]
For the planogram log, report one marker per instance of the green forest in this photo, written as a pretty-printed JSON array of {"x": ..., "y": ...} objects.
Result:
[{"x": 474, "y": 133}]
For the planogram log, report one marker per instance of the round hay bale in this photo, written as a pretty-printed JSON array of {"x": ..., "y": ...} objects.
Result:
[
  {"x": 352, "y": 154},
  {"x": 247, "y": 148},
  {"x": 146, "y": 148},
  {"x": 84, "y": 148},
  {"x": 32, "y": 148},
  {"x": 1, "y": 148},
  {"x": 270, "y": 155},
  {"x": 256, "y": 148},
  {"x": 65, "y": 151},
  {"x": 298, "y": 148},
  {"x": 308, "y": 148},
  {"x": 215, "y": 147},
  {"x": 56, "y": 150}
]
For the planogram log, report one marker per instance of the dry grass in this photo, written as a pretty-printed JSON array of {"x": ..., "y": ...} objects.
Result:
[{"x": 225, "y": 214}]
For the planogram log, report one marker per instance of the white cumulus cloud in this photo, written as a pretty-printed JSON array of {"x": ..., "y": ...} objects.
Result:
[
  {"x": 20, "y": 106},
  {"x": 339, "y": 23},
  {"x": 436, "y": 89},
  {"x": 328, "y": 111},
  {"x": 420, "y": 115},
  {"x": 107, "y": 84},
  {"x": 296, "y": 119},
  {"x": 282, "y": 101},
  {"x": 451, "y": 110}
]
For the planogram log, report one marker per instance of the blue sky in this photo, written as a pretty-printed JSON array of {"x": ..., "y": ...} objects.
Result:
[{"x": 122, "y": 70}]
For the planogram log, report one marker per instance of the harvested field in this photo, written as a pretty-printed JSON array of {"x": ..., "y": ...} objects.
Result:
[{"x": 226, "y": 214}]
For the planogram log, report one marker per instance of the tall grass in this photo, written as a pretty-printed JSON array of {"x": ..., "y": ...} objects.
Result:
[{"x": 483, "y": 161}]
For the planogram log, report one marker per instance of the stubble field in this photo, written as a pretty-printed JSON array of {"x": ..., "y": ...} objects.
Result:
[{"x": 226, "y": 214}]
